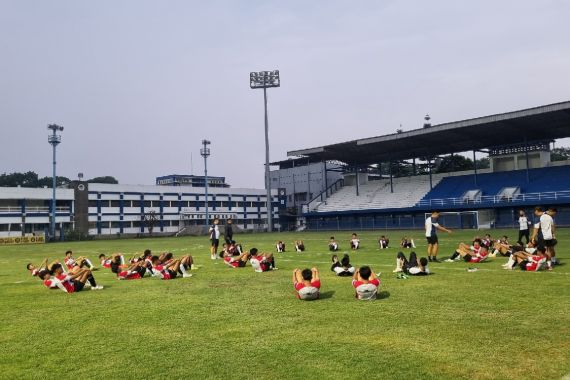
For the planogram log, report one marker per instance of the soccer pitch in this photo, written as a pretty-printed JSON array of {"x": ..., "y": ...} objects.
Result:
[{"x": 235, "y": 323}]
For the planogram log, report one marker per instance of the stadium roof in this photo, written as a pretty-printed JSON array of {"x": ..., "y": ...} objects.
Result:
[{"x": 547, "y": 122}]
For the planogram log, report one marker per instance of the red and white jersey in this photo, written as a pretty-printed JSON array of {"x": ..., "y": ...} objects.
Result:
[
  {"x": 106, "y": 263},
  {"x": 366, "y": 290},
  {"x": 125, "y": 275},
  {"x": 259, "y": 263},
  {"x": 66, "y": 282},
  {"x": 34, "y": 272},
  {"x": 308, "y": 292},
  {"x": 69, "y": 262},
  {"x": 535, "y": 263},
  {"x": 479, "y": 254},
  {"x": 234, "y": 264}
]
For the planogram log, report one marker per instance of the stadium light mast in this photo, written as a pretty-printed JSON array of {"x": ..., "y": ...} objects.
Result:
[
  {"x": 205, "y": 152},
  {"x": 265, "y": 80},
  {"x": 54, "y": 140}
]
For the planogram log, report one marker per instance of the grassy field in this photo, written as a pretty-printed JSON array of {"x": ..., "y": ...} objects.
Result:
[{"x": 234, "y": 323}]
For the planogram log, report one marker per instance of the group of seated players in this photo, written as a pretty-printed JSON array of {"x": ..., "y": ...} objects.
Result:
[
  {"x": 76, "y": 274},
  {"x": 383, "y": 242},
  {"x": 532, "y": 256}
]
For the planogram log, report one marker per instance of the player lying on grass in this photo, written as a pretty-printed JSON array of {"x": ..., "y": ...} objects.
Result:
[
  {"x": 475, "y": 253},
  {"x": 44, "y": 266},
  {"x": 241, "y": 260},
  {"x": 365, "y": 283},
  {"x": 133, "y": 271},
  {"x": 280, "y": 246},
  {"x": 231, "y": 249},
  {"x": 528, "y": 262},
  {"x": 169, "y": 268},
  {"x": 502, "y": 247},
  {"x": 411, "y": 266},
  {"x": 81, "y": 261},
  {"x": 407, "y": 242},
  {"x": 333, "y": 245},
  {"x": 383, "y": 242},
  {"x": 106, "y": 261},
  {"x": 342, "y": 268},
  {"x": 71, "y": 282},
  {"x": 307, "y": 283},
  {"x": 354, "y": 242},
  {"x": 262, "y": 262},
  {"x": 299, "y": 246}
]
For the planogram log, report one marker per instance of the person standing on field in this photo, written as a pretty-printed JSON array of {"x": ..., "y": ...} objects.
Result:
[
  {"x": 214, "y": 232},
  {"x": 229, "y": 232},
  {"x": 431, "y": 235},
  {"x": 524, "y": 224}
]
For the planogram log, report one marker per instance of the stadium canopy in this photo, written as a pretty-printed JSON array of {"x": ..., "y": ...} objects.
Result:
[{"x": 521, "y": 127}]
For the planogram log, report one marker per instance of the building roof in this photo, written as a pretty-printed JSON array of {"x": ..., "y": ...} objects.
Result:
[{"x": 547, "y": 122}]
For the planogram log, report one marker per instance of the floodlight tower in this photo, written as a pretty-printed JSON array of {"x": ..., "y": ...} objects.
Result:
[
  {"x": 265, "y": 80},
  {"x": 54, "y": 139},
  {"x": 205, "y": 152}
]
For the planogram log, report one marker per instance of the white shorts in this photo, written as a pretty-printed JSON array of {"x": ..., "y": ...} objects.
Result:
[{"x": 338, "y": 270}]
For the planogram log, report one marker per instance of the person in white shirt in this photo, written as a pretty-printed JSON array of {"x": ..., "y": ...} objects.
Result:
[
  {"x": 214, "y": 233},
  {"x": 524, "y": 225},
  {"x": 544, "y": 233},
  {"x": 431, "y": 235}
]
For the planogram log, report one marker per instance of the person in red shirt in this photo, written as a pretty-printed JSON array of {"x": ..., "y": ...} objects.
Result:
[
  {"x": 365, "y": 283},
  {"x": 307, "y": 283},
  {"x": 262, "y": 262},
  {"x": 241, "y": 260},
  {"x": 471, "y": 254},
  {"x": 527, "y": 261},
  {"x": 69, "y": 282},
  {"x": 44, "y": 266}
]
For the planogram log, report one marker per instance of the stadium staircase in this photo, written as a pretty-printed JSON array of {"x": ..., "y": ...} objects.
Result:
[{"x": 408, "y": 191}]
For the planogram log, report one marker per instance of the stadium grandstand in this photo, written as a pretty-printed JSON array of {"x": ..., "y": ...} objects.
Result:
[{"x": 520, "y": 174}]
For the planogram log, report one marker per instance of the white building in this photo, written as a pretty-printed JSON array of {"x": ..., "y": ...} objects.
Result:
[{"x": 27, "y": 210}]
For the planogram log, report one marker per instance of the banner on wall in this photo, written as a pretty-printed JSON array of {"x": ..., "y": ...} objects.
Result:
[{"x": 22, "y": 240}]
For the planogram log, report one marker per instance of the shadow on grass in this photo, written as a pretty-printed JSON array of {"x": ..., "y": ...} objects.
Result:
[
  {"x": 383, "y": 295},
  {"x": 326, "y": 295}
]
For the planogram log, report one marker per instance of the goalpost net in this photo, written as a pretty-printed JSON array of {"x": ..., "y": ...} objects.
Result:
[{"x": 458, "y": 219}]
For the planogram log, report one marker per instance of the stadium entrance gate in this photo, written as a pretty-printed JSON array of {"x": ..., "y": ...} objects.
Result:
[{"x": 459, "y": 219}]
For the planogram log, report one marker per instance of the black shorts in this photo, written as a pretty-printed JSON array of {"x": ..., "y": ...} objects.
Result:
[
  {"x": 522, "y": 265},
  {"x": 241, "y": 263},
  {"x": 432, "y": 239},
  {"x": 550, "y": 243},
  {"x": 172, "y": 274},
  {"x": 467, "y": 257},
  {"x": 215, "y": 242},
  {"x": 78, "y": 286}
]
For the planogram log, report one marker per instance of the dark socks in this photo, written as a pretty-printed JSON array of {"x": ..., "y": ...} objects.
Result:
[{"x": 91, "y": 280}]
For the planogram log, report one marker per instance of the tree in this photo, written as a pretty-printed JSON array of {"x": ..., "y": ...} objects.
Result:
[
  {"x": 29, "y": 179},
  {"x": 483, "y": 163},
  {"x": 454, "y": 163},
  {"x": 560, "y": 154},
  {"x": 105, "y": 179},
  {"x": 48, "y": 181},
  {"x": 150, "y": 220}
]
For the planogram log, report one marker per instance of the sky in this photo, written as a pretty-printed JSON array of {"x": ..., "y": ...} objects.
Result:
[{"x": 138, "y": 84}]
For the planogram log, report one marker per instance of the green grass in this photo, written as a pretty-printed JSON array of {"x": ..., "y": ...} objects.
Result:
[{"x": 234, "y": 323}]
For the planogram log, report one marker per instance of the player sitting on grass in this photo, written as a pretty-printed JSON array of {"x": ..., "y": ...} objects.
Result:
[
  {"x": 354, "y": 242},
  {"x": 81, "y": 261},
  {"x": 307, "y": 283},
  {"x": 383, "y": 242},
  {"x": 407, "y": 242},
  {"x": 71, "y": 282},
  {"x": 471, "y": 254},
  {"x": 44, "y": 266},
  {"x": 365, "y": 283},
  {"x": 528, "y": 262},
  {"x": 411, "y": 266},
  {"x": 241, "y": 260},
  {"x": 280, "y": 246},
  {"x": 487, "y": 242},
  {"x": 262, "y": 262},
  {"x": 502, "y": 247},
  {"x": 333, "y": 245},
  {"x": 234, "y": 248},
  {"x": 299, "y": 246},
  {"x": 169, "y": 269},
  {"x": 107, "y": 261},
  {"x": 342, "y": 268}
]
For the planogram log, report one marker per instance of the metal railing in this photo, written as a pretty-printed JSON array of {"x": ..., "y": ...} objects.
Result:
[
  {"x": 18, "y": 210},
  {"x": 323, "y": 195},
  {"x": 498, "y": 199}
]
